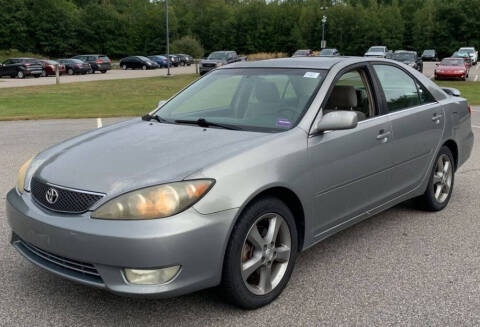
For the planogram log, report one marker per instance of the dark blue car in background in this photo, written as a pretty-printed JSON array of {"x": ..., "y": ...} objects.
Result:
[{"x": 162, "y": 61}]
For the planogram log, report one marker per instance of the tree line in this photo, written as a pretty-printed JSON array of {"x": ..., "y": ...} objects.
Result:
[{"x": 118, "y": 28}]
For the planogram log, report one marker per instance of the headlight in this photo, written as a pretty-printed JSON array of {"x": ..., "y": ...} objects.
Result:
[
  {"x": 22, "y": 172},
  {"x": 155, "y": 202},
  {"x": 219, "y": 64},
  {"x": 411, "y": 64}
]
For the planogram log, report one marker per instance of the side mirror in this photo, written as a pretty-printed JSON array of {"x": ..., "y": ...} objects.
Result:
[
  {"x": 160, "y": 104},
  {"x": 337, "y": 120}
]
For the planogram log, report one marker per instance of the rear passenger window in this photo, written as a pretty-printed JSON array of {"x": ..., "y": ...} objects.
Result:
[{"x": 400, "y": 89}]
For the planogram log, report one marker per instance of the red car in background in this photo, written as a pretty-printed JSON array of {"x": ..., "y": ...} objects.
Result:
[
  {"x": 452, "y": 68},
  {"x": 49, "y": 67}
]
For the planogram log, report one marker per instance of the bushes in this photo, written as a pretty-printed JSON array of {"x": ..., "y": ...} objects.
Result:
[{"x": 188, "y": 45}]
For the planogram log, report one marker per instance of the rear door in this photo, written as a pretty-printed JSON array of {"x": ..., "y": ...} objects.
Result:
[
  {"x": 417, "y": 121},
  {"x": 351, "y": 167},
  {"x": 6, "y": 69}
]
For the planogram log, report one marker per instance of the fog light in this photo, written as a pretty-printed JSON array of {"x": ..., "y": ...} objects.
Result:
[{"x": 151, "y": 276}]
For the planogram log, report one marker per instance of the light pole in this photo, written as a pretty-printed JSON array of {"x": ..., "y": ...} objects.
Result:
[
  {"x": 168, "y": 39},
  {"x": 324, "y": 42}
]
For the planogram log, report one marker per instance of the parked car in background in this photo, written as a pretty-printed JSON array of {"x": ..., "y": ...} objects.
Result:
[
  {"x": 174, "y": 60},
  {"x": 465, "y": 56},
  {"x": 185, "y": 60},
  {"x": 409, "y": 58},
  {"x": 75, "y": 66},
  {"x": 329, "y": 52},
  {"x": 21, "y": 67},
  {"x": 162, "y": 61},
  {"x": 378, "y": 51},
  {"x": 429, "y": 55},
  {"x": 303, "y": 53},
  {"x": 98, "y": 62},
  {"x": 230, "y": 194},
  {"x": 49, "y": 67},
  {"x": 471, "y": 52},
  {"x": 218, "y": 59},
  {"x": 138, "y": 62},
  {"x": 452, "y": 68}
]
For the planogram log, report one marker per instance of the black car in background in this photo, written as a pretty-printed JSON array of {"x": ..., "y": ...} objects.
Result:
[
  {"x": 429, "y": 55},
  {"x": 409, "y": 58},
  {"x": 185, "y": 60},
  {"x": 329, "y": 52},
  {"x": 138, "y": 62},
  {"x": 98, "y": 62},
  {"x": 21, "y": 67},
  {"x": 75, "y": 66},
  {"x": 174, "y": 60}
]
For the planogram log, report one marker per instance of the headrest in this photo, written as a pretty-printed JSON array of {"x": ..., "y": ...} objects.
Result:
[
  {"x": 266, "y": 91},
  {"x": 343, "y": 97}
]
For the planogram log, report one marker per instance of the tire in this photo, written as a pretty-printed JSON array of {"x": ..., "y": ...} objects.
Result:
[
  {"x": 103, "y": 71},
  {"x": 244, "y": 288},
  {"x": 124, "y": 67},
  {"x": 144, "y": 67},
  {"x": 37, "y": 75},
  {"x": 20, "y": 74},
  {"x": 70, "y": 71},
  {"x": 429, "y": 200},
  {"x": 44, "y": 73}
]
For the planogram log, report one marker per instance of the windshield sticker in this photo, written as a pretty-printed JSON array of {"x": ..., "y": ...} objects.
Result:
[
  {"x": 282, "y": 122},
  {"x": 311, "y": 75}
]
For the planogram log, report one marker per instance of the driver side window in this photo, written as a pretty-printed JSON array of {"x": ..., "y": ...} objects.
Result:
[{"x": 352, "y": 92}]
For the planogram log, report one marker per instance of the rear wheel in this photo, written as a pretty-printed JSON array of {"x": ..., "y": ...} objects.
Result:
[
  {"x": 144, "y": 67},
  {"x": 70, "y": 71},
  {"x": 103, "y": 71},
  {"x": 20, "y": 74},
  {"x": 44, "y": 73},
  {"x": 440, "y": 185},
  {"x": 124, "y": 67},
  {"x": 261, "y": 254},
  {"x": 37, "y": 75}
]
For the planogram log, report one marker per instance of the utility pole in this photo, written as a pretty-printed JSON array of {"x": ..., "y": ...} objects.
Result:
[
  {"x": 168, "y": 39},
  {"x": 324, "y": 42}
]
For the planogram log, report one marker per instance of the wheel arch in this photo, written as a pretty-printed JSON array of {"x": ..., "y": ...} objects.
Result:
[{"x": 452, "y": 145}]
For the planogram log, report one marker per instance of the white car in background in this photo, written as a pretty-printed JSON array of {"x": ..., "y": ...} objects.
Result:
[{"x": 471, "y": 52}]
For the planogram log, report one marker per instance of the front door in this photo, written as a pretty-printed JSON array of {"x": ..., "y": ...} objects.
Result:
[{"x": 351, "y": 167}]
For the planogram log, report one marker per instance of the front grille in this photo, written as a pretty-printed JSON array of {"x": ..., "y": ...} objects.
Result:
[
  {"x": 68, "y": 201},
  {"x": 62, "y": 265}
]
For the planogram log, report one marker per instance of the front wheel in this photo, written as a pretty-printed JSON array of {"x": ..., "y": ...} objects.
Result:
[
  {"x": 103, "y": 71},
  {"x": 440, "y": 185},
  {"x": 144, "y": 67},
  {"x": 124, "y": 67},
  {"x": 261, "y": 254},
  {"x": 20, "y": 74}
]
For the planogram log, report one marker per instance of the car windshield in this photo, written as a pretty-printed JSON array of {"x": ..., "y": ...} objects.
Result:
[
  {"x": 327, "y": 52},
  {"x": 143, "y": 58},
  {"x": 452, "y": 62},
  {"x": 217, "y": 55},
  {"x": 268, "y": 100},
  {"x": 75, "y": 61},
  {"x": 467, "y": 51},
  {"x": 104, "y": 58},
  {"x": 428, "y": 52},
  {"x": 376, "y": 49},
  {"x": 404, "y": 56}
]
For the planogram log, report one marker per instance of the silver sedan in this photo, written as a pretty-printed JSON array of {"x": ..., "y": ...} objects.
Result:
[{"x": 230, "y": 179}]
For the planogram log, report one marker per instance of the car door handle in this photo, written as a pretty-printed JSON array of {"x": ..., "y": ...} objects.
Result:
[{"x": 383, "y": 135}]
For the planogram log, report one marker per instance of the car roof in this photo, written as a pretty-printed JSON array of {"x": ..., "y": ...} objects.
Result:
[{"x": 296, "y": 62}]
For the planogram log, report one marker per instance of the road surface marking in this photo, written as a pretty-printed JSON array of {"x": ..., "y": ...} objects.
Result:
[{"x": 99, "y": 123}]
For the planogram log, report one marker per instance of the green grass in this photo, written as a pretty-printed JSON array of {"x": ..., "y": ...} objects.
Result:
[
  {"x": 127, "y": 97},
  {"x": 469, "y": 90}
]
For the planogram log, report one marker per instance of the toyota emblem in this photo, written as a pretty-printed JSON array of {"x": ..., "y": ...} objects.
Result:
[{"x": 51, "y": 196}]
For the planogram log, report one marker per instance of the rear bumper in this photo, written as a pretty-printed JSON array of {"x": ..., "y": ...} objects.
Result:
[
  {"x": 194, "y": 241},
  {"x": 29, "y": 72}
]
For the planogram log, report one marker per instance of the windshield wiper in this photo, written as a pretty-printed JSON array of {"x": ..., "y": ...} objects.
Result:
[
  {"x": 149, "y": 117},
  {"x": 202, "y": 122}
]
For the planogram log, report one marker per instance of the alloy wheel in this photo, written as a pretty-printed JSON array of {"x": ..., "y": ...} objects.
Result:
[
  {"x": 442, "y": 178},
  {"x": 265, "y": 254}
]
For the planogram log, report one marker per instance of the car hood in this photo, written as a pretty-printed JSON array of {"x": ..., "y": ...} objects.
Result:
[
  {"x": 375, "y": 54},
  {"x": 450, "y": 68},
  {"x": 137, "y": 153},
  {"x": 212, "y": 61}
]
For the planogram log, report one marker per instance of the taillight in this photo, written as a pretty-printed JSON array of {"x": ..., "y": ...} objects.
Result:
[
  {"x": 78, "y": 65},
  {"x": 469, "y": 109},
  {"x": 99, "y": 61},
  {"x": 27, "y": 65},
  {"x": 51, "y": 66}
]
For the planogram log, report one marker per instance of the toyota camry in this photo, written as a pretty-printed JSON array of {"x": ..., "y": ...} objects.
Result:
[{"x": 228, "y": 181}]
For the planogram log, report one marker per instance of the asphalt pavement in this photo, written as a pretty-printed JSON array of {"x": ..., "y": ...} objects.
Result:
[{"x": 403, "y": 267}]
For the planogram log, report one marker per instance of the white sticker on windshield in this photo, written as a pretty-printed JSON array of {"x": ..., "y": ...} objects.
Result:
[{"x": 311, "y": 75}]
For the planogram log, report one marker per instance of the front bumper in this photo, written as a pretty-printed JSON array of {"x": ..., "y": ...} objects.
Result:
[
  {"x": 449, "y": 75},
  {"x": 196, "y": 242}
]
